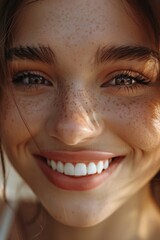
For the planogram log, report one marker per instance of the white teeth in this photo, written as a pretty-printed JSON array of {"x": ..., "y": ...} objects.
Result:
[
  {"x": 60, "y": 167},
  {"x": 106, "y": 164},
  {"x": 53, "y": 165},
  {"x": 92, "y": 169},
  {"x": 79, "y": 169},
  {"x": 99, "y": 167},
  {"x": 69, "y": 169}
]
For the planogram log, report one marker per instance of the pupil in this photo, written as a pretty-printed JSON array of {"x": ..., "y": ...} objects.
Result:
[
  {"x": 36, "y": 80},
  {"x": 124, "y": 81}
]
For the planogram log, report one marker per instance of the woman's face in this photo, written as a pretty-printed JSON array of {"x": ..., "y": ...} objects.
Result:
[{"x": 82, "y": 78}]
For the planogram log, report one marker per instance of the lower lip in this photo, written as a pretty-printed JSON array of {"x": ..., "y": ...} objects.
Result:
[{"x": 83, "y": 183}]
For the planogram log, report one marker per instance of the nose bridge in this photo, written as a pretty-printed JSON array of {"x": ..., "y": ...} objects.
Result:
[
  {"x": 76, "y": 120},
  {"x": 77, "y": 106}
]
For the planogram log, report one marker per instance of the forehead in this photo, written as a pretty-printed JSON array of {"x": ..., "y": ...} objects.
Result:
[{"x": 66, "y": 24}]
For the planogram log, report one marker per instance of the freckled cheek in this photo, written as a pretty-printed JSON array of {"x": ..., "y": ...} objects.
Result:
[
  {"x": 20, "y": 114},
  {"x": 136, "y": 121}
]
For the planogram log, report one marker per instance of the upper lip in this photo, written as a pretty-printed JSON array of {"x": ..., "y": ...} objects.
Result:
[{"x": 84, "y": 156}]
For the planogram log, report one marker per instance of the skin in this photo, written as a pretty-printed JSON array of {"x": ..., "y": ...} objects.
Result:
[{"x": 75, "y": 113}]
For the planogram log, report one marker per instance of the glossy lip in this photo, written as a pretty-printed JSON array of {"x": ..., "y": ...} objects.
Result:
[
  {"x": 78, "y": 156},
  {"x": 74, "y": 183}
]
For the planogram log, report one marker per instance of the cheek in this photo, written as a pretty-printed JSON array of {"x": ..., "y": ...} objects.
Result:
[
  {"x": 24, "y": 115},
  {"x": 13, "y": 131},
  {"x": 135, "y": 120}
]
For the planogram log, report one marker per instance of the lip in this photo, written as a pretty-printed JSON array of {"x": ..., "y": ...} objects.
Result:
[
  {"x": 73, "y": 183},
  {"x": 78, "y": 156}
]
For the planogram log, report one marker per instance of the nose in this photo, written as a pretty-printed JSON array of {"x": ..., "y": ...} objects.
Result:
[{"x": 74, "y": 125}]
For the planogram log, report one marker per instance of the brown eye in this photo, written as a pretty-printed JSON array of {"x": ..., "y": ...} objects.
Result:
[
  {"x": 27, "y": 78},
  {"x": 125, "y": 80}
]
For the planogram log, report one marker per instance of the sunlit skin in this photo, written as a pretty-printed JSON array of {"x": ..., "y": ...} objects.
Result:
[{"x": 75, "y": 113}]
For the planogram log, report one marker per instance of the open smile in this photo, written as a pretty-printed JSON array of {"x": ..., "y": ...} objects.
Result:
[
  {"x": 71, "y": 170},
  {"x": 79, "y": 169}
]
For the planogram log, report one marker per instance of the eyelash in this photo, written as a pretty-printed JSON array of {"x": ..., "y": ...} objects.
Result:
[
  {"x": 128, "y": 76},
  {"x": 19, "y": 79},
  {"x": 139, "y": 80}
]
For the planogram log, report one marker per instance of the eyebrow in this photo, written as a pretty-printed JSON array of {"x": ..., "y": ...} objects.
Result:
[
  {"x": 40, "y": 53},
  {"x": 115, "y": 53},
  {"x": 103, "y": 54}
]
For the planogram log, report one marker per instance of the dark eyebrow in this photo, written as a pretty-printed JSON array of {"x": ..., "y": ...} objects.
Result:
[
  {"x": 40, "y": 53},
  {"x": 103, "y": 54},
  {"x": 115, "y": 53}
]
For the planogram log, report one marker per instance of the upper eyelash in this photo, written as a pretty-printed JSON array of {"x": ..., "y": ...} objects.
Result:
[
  {"x": 28, "y": 73},
  {"x": 136, "y": 76}
]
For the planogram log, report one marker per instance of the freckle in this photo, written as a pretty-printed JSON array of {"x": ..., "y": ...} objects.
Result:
[{"x": 66, "y": 98}]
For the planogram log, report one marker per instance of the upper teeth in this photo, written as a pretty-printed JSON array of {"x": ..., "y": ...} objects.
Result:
[{"x": 79, "y": 169}]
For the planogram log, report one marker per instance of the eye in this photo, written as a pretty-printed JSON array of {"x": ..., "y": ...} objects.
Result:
[
  {"x": 30, "y": 78},
  {"x": 126, "y": 79},
  {"x": 123, "y": 80}
]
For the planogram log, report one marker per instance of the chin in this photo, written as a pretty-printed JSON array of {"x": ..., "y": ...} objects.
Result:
[
  {"x": 81, "y": 219},
  {"x": 79, "y": 223}
]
